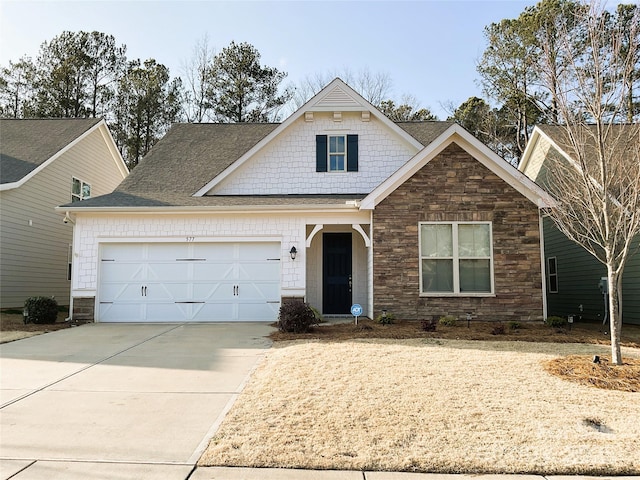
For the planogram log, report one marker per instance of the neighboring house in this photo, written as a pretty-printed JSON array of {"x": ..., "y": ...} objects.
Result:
[
  {"x": 44, "y": 163},
  {"x": 336, "y": 205},
  {"x": 572, "y": 274}
]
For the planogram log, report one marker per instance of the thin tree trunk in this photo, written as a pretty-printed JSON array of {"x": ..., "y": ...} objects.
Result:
[{"x": 615, "y": 316}]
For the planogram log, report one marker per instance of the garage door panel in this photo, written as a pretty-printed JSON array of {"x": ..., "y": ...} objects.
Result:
[
  {"x": 258, "y": 291},
  {"x": 214, "y": 312},
  {"x": 166, "y": 291},
  {"x": 121, "y": 292},
  {"x": 258, "y": 271},
  {"x": 167, "y": 271},
  {"x": 167, "y": 251},
  {"x": 166, "y": 312},
  {"x": 214, "y": 251},
  {"x": 116, "y": 252},
  {"x": 189, "y": 282},
  {"x": 258, "y": 251},
  {"x": 212, "y": 272},
  {"x": 120, "y": 312},
  {"x": 213, "y": 292},
  {"x": 122, "y": 272}
]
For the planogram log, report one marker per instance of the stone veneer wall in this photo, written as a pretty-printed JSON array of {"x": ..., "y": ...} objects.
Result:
[
  {"x": 456, "y": 187},
  {"x": 83, "y": 309}
]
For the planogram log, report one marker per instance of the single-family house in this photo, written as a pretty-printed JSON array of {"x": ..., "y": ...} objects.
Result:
[
  {"x": 336, "y": 205},
  {"x": 573, "y": 285},
  {"x": 45, "y": 163}
]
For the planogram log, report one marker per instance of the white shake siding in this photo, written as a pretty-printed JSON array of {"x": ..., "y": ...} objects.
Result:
[{"x": 289, "y": 161}]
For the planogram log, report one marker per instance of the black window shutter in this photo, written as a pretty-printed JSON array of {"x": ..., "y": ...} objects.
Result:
[
  {"x": 352, "y": 153},
  {"x": 321, "y": 153}
]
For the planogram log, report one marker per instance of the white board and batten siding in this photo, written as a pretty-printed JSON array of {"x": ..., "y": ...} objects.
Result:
[{"x": 199, "y": 282}]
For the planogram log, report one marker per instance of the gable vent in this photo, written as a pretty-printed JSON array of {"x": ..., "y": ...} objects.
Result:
[{"x": 338, "y": 98}]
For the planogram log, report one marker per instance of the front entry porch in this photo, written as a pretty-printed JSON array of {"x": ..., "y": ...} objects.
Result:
[{"x": 337, "y": 268}]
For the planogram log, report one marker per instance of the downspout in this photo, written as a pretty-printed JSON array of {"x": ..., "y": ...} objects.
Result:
[{"x": 543, "y": 264}]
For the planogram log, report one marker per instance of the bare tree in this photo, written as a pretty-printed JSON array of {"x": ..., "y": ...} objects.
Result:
[
  {"x": 373, "y": 86},
  {"x": 197, "y": 79},
  {"x": 598, "y": 189}
]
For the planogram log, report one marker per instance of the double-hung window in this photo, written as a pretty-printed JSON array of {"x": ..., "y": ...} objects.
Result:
[
  {"x": 552, "y": 273},
  {"x": 456, "y": 258},
  {"x": 337, "y": 153},
  {"x": 79, "y": 190}
]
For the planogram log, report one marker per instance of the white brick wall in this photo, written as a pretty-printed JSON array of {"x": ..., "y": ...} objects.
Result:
[{"x": 288, "y": 164}]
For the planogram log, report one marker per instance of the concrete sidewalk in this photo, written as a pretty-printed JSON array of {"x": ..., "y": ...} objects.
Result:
[{"x": 49, "y": 470}]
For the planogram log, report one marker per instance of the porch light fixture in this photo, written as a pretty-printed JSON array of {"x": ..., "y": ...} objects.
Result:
[{"x": 293, "y": 252}]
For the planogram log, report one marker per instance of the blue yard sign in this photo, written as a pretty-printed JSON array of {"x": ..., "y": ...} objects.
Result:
[{"x": 356, "y": 311}]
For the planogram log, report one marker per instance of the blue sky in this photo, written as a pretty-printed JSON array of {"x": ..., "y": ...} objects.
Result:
[{"x": 428, "y": 48}]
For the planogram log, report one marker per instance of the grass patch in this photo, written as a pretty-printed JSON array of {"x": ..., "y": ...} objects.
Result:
[{"x": 428, "y": 405}]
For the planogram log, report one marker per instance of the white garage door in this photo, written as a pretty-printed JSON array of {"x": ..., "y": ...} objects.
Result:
[{"x": 200, "y": 282}]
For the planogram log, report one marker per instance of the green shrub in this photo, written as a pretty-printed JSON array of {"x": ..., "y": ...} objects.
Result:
[
  {"x": 514, "y": 325},
  {"x": 555, "y": 322},
  {"x": 296, "y": 317},
  {"x": 41, "y": 309},
  {"x": 448, "y": 320},
  {"x": 385, "y": 318}
]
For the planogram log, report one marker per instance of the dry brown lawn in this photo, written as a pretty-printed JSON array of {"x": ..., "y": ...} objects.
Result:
[
  {"x": 429, "y": 404},
  {"x": 12, "y": 326}
]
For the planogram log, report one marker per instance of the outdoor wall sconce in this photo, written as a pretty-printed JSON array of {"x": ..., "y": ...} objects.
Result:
[{"x": 293, "y": 252}]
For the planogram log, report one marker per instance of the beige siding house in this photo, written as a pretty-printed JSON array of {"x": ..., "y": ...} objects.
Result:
[{"x": 45, "y": 163}]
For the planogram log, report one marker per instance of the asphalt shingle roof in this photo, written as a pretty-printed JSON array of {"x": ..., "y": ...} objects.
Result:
[
  {"x": 27, "y": 143},
  {"x": 191, "y": 155}
]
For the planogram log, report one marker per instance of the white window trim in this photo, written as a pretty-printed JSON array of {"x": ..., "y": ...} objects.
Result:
[
  {"x": 329, "y": 136},
  {"x": 549, "y": 274},
  {"x": 81, "y": 196},
  {"x": 456, "y": 262}
]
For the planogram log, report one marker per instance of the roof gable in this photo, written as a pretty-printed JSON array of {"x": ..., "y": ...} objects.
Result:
[
  {"x": 456, "y": 134},
  {"x": 336, "y": 96},
  {"x": 191, "y": 154},
  {"x": 27, "y": 146}
]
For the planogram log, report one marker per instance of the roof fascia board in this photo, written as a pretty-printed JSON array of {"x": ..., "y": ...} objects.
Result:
[
  {"x": 320, "y": 208},
  {"x": 50, "y": 160},
  {"x": 482, "y": 153},
  {"x": 113, "y": 149},
  {"x": 310, "y": 105},
  {"x": 529, "y": 149}
]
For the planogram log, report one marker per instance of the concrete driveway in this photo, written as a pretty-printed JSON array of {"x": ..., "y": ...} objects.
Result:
[{"x": 120, "y": 401}]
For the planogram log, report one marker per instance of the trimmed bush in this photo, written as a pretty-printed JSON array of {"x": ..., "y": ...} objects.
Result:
[
  {"x": 385, "y": 319},
  {"x": 41, "y": 309},
  {"x": 448, "y": 320},
  {"x": 555, "y": 322},
  {"x": 296, "y": 317}
]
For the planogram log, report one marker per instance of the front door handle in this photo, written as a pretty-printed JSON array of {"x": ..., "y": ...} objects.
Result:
[{"x": 350, "y": 283}]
